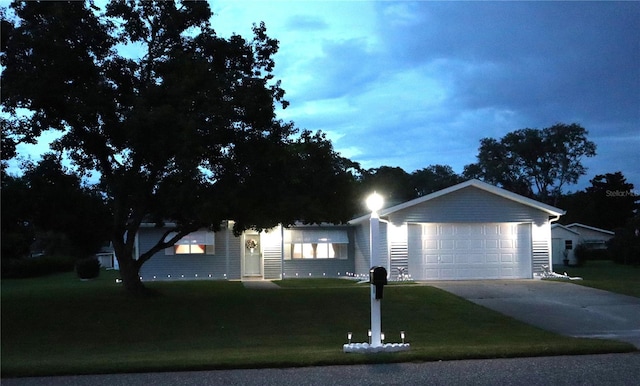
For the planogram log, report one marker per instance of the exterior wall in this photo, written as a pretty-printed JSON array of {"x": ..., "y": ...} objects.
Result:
[
  {"x": 317, "y": 268},
  {"x": 362, "y": 256},
  {"x": 398, "y": 249},
  {"x": 541, "y": 243},
  {"x": 233, "y": 254},
  {"x": 362, "y": 263},
  {"x": 592, "y": 237},
  {"x": 226, "y": 261},
  {"x": 314, "y": 268},
  {"x": 175, "y": 267},
  {"x": 558, "y": 237},
  {"x": 272, "y": 253},
  {"x": 469, "y": 204}
]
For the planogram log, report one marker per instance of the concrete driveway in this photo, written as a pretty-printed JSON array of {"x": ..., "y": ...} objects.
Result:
[{"x": 564, "y": 308}]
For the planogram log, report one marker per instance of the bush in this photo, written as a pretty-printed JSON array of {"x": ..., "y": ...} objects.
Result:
[
  {"x": 34, "y": 267},
  {"x": 583, "y": 253},
  {"x": 580, "y": 253},
  {"x": 88, "y": 268},
  {"x": 624, "y": 248}
]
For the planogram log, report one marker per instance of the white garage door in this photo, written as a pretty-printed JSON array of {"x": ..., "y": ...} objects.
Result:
[{"x": 470, "y": 251}]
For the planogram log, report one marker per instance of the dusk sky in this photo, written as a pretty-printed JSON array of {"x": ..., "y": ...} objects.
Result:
[{"x": 411, "y": 84}]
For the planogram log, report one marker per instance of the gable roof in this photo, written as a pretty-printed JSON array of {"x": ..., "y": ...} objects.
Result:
[
  {"x": 470, "y": 183},
  {"x": 578, "y": 225},
  {"x": 554, "y": 226}
]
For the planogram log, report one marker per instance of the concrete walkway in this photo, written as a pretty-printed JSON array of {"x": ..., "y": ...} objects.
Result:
[
  {"x": 260, "y": 285},
  {"x": 563, "y": 308}
]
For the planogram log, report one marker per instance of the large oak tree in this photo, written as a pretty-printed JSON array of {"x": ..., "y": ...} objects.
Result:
[{"x": 178, "y": 122}]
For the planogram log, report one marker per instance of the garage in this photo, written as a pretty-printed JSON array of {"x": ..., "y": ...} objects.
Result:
[
  {"x": 469, "y": 231},
  {"x": 455, "y": 251}
]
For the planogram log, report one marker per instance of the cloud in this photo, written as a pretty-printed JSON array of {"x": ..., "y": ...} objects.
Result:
[{"x": 306, "y": 23}]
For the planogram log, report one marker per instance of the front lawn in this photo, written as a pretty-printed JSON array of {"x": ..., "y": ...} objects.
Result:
[
  {"x": 60, "y": 325},
  {"x": 606, "y": 275}
]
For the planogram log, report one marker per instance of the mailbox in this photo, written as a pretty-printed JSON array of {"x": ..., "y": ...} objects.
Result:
[{"x": 378, "y": 278}]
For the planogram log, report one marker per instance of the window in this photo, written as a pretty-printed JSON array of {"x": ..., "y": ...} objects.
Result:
[
  {"x": 316, "y": 244},
  {"x": 568, "y": 244},
  {"x": 195, "y": 243}
]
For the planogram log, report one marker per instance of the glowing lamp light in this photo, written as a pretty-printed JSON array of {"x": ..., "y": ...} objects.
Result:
[
  {"x": 349, "y": 335},
  {"x": 369, "y": 335},
  {"x": 374, "y": 202},
  {"x": 402, "y": 336},
  {"x": 382, "y": 337}
]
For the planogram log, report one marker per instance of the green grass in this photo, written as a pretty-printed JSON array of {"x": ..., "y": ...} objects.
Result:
[
  {"x": 606, "y": 275},
  {"x": 61, "y": 325}
]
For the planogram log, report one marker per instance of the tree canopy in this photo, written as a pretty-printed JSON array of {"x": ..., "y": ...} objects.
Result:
[
  {"x": 185, "y": 132},
  {"x": 609, "y": 203},
  {"x": 534, "y": 162},
  {"x": 50, "y": 207}
]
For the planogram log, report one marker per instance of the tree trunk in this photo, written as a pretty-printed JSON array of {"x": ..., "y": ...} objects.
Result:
[
  {"x": 131, "y": 278},
  {"x": 130, "y": 275}
]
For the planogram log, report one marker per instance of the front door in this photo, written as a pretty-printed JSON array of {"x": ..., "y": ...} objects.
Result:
[{"x": 252, "y": 255}]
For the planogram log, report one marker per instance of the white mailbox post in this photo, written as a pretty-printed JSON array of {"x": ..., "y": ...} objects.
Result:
[{"x": 377, "y": 279}]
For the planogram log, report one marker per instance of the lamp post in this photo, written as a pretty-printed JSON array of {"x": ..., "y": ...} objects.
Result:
[{"x": 374, "y": 203}]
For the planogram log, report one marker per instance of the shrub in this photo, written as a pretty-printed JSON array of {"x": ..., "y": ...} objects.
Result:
[
  {"x": 624, "y": 248},
  {"x": 88, "y": 268},
  {"x": 580, "y": 253},
  {"x": 34, "y": 267},
  {"x": 583, "y": 254}
]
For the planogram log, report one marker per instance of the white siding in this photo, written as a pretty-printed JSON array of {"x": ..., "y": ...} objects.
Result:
[
  {"x": 174, "y": 267},
  {"x": 398, "y": 249},
  {"x": 466, "y": 205},
  {"x": 272, "y": 253}
]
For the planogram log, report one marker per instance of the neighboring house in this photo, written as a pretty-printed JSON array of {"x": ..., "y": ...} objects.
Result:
[
  {"x": 472, "y": 230},
  {"x": 564, "y": 240},
  {"x": 592, "y": 237},
  {"x": 107, "y": 257}
]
